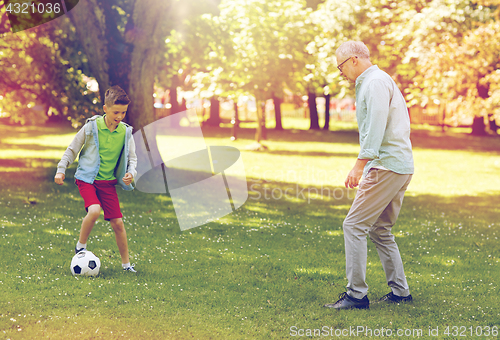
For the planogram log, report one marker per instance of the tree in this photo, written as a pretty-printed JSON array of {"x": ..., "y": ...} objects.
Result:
[
  {"x": 43, "y": 74},
  {"x": 430, "y": 48},
  {"x": 123, "y": 40},
  {"x": 452, "y": 45},
  {"x": 256, "y": 48},
  {"x": 186, "y": 45},
  {"x": 337, "y": 21}
]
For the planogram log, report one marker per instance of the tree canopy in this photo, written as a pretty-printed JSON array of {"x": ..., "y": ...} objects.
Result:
[
  {"x": 436, "y": 50},
  {"x": 42, "y": 72}
]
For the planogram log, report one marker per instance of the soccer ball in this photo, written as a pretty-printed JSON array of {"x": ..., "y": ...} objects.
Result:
[{"x": 85, "y": 263}]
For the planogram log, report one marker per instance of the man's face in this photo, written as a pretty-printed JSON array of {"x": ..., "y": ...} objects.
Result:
[
  {"x": 115, "y": 114},
  {"x": 345, "y": 66}
]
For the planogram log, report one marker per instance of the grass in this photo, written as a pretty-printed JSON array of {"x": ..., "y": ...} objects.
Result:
[{"x": 264, "y": 271}]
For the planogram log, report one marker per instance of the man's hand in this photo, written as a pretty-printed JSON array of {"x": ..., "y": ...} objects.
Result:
[
  {"x": 355, "y": 174},
  {"x": 127, "y": 179},
  {"x": 59, "y": 178}
]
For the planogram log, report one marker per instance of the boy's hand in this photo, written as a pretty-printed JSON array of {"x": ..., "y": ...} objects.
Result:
[
  {"x": 127, "y": 179},
  {"x": 59, "y": 179}
]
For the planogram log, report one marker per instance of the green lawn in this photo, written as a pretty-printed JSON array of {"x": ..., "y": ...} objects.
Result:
[{"x": 263, "y": 272}]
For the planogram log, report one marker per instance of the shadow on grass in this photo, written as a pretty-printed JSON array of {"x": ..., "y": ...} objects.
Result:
[
  {"x": 290, "y": 136},
  {"x": 30, "y": 147},
  {"x": 33, "y": 131},
  {"x": 312, "y": 154},
  {"x": 309, "y": 201},
  {"x": 424, "y": 139},
  {"x": 454, "y": 141},
  {"x": 22, "y": 165},
  {"x": 421, "y": 139}
]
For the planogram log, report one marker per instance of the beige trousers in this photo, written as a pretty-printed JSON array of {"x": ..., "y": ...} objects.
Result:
[{"x": 374, "y": 211}]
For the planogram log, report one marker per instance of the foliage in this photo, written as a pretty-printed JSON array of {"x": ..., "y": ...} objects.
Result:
[
  {"x": 451, "y": 54},
  {"x": 42, "y": 74},
  {"x": 123, "y": 41},
  {"x": 255, "y": 47},
  {"x": 437, "y": 51},
  {"x": 339, "y": 22},
  {"x": 186, "y": 43}
]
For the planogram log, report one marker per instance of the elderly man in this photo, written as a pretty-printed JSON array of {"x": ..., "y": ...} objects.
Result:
[{"x": 386, "y": 162}]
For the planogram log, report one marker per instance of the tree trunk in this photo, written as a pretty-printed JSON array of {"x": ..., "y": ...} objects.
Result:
[
  {"x": 129, "y": 60},
  {"x": 478, "y": 124},
  {"x": 493, "y": 124},
  {"x": 148, "y": 40},
  {"x": 90, "y": 30},
  {"x": 263, "y": 121},
  {"x": 119, "y": 50},
  {"x": 235, "y": 122},
  {"x": 174, "y": 104},
  {"x": 214, "y": 119},
  {"x": 313, "y": 111},
  {"x": 260, "y": 133},
  {"x": 478, "y": 127},
  {"x": 277, "y": 112},
  {"x": 327, "y": 113}
]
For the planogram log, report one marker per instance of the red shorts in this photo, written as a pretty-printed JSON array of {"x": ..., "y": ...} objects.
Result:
[{"x": 102, "y": 193}]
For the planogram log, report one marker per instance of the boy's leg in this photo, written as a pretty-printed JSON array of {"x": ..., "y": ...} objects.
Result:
[
  {"x": 107, "y": 196},
  {"x": 121, "y": 238},
  {"x": 88, "y": 222},
  {"x": 93, "y": 207}
]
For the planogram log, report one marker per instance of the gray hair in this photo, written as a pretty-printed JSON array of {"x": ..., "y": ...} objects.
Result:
[{"x": 353, "y": 48}]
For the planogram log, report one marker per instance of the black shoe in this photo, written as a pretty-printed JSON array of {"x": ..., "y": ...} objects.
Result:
[
  {"x": 79, "y": 250},
  {"x": 391, "y": 297},
  {"x": 348, "y": 302}
]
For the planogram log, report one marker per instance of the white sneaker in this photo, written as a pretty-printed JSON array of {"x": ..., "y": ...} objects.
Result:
[
  {"x": 130, "y": 269},
  {"x": 79, "y": 250}
]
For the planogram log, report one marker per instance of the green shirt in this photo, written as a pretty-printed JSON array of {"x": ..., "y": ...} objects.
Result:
[
  {"x": 383, "y": 123},
  {"x": 110, "y": 147}
]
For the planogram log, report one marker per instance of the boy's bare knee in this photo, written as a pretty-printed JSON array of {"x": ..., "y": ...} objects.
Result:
[
  {"x": 117, "y": 225},
  {"x": 94, "y": 211}
]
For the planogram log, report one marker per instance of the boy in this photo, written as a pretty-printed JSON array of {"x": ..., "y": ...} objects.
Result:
[{"x": 107, "y": 158}]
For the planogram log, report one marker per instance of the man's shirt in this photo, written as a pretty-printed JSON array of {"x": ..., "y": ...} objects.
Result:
[
  {"x": 110, "y": 147},
  {"x": 383, "y": 123}
]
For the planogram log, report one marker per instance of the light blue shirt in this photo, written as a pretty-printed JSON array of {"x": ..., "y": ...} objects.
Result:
[{"x": 383, "y": 123}]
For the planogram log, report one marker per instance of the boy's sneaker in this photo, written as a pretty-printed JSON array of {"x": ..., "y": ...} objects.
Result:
[
  {"x": 79, "y": 250},
  {"x": 391, "y": 297},
  {"x": 130, "y": 269}
]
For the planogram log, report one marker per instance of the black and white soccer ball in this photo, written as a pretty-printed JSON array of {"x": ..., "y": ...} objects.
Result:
[{"x": 85, "y": 263}]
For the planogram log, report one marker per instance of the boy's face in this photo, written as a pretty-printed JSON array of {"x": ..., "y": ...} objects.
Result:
[{"x": 115, "y": 114}]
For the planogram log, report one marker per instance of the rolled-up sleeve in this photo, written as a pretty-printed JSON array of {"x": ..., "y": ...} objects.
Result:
[{"x": 377, "y": 111}]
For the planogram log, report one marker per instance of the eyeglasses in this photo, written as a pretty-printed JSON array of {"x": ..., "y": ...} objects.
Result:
[{"x": 345, "y": 61}]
